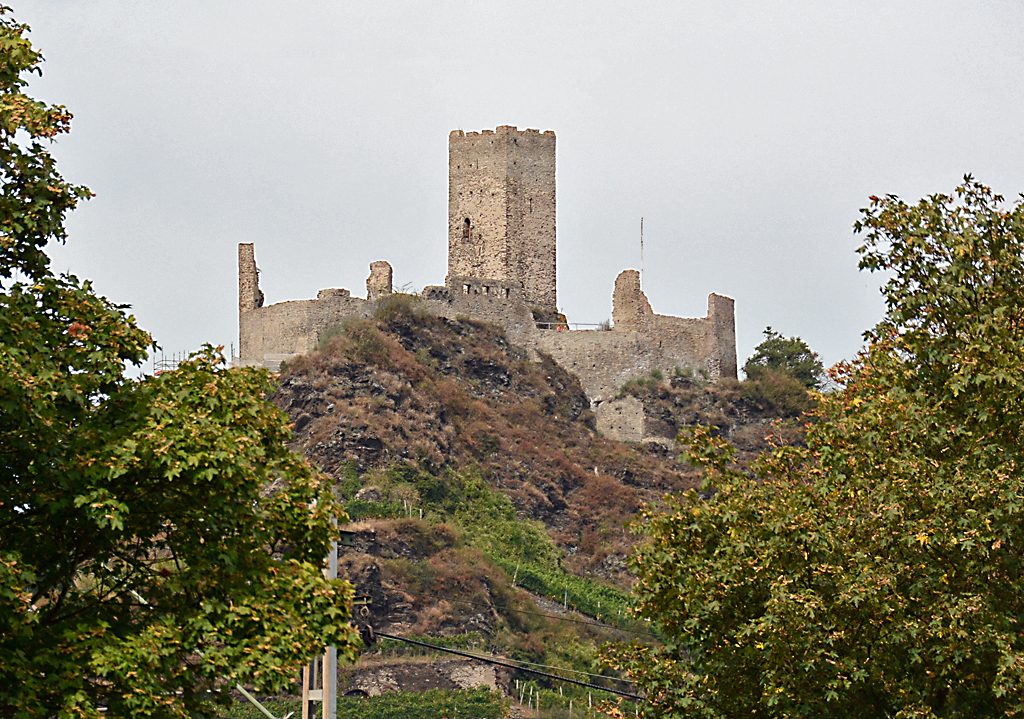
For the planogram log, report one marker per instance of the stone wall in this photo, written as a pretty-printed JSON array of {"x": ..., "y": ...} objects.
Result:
[
  {"x": 501, "y": 264},
  {"x": 622, "y": 419},
  {"x": 501, "y": 303},
  {"x": 639, "y": 343},
  {"x": 603, "y": 361},
  {"x": 285, "y": 329},
  {"x": 249, "y": 295},
  {"x": 722, "y": 318},
  {"x": 374, "y": 679},
  {"x": 379, "y": 283},
  {"x": 270, "y": 334},
  {"x": 501, "y": 209},
  {"x": 631, "y": 312}
]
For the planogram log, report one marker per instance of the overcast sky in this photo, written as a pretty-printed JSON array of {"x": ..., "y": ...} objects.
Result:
[{"x": 746, "y": 134}]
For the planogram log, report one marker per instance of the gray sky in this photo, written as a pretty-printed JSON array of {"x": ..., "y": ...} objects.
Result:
[{"x": 746, "y": 134}]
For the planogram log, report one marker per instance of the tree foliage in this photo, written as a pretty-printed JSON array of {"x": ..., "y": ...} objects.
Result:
[
  {"x": 876, "y": 572},
  {"x": 142, "y": 561},
  {"x": 788, "y": 355},
  {"x": 478, "y": 703}
]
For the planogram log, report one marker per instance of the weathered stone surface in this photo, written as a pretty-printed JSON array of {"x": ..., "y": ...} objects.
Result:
[
  {"x": 249, "y": 295},
  {"x": 621, "y": 419},
  {"x": 295, "y": 327},
  {"x": 604, "y": 361},
  {"x": 368, "y": 494},
  {"x": 631, "y": 312},
  {"x": 501, "y": 263},
  {"x": 501, "y": 209},
  {"x": 420, "y": 676},
  {"x": 378, "y": 284}
]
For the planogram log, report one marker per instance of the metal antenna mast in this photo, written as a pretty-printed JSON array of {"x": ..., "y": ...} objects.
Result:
[{"x": 641, "y": 251}]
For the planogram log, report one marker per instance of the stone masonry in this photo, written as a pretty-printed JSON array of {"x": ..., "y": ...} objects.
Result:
[
  {"x": 631, "y": 312},
  {"x": 604, "y": 361},
  {"x": 501, "y": 264},
  {"x": 249, "y": 295},
  {"x": 379, "y": 283},
  {"x": 501, "y": 209}
]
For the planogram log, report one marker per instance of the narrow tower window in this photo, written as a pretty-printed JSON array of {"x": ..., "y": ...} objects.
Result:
[{"x": 465, "y": 230}]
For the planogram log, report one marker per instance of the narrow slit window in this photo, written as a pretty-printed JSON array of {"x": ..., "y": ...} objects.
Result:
[{"x": 466, "y": 228}]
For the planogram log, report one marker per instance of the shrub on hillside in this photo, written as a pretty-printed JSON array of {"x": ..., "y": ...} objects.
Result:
[
  {"x": 479, "y": 703},
  {"x": 777, "y": 392},
  {"x": 398, "y": 305}
]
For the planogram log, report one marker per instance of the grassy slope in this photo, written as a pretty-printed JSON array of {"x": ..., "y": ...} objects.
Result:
[
  {"x": 501, "y": 455},
  {"x": 425, "y": 396}
]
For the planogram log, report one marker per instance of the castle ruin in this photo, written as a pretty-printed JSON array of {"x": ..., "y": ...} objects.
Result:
[
  {"x": 501, "y": 269},
  {"x": 501, "y": 209}
]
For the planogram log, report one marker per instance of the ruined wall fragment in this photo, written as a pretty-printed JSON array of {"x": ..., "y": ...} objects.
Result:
[
  {"x": 379, "y": 283},
  {"x": 249, "y": 295},
  {"x": 631, "y": 312},
  {"x": 722, "y": 314}
]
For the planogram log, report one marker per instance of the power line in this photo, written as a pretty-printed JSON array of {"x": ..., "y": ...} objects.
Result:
[
  {"x": 559, "y": 618},
  {"x": 547, "y": 666},
  {"x": 496, "y": 662}
]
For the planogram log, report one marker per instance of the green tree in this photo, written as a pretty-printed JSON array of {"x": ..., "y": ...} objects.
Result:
[
  {"x": 789, "y": 355},
  {"x": 156, "y": 536},
  {"x": 878, "y": 571}
]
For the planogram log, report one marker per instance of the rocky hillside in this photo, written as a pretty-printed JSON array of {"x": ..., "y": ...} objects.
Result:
[{"x": 479, "y": 484}]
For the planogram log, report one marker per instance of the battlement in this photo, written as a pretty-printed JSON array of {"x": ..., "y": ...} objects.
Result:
[{"x": 500, "y": 130}]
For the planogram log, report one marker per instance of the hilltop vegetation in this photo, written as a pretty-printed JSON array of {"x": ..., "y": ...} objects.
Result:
[
  {"x": 483, "y": 497},
  {"x": 411, "y": 403}
]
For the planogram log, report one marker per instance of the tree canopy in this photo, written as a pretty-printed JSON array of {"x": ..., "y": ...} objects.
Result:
[
  {"x": 156, "y": 535},
  {"x": 876, "y": 572},
  {"x": 790, "y": 355}
]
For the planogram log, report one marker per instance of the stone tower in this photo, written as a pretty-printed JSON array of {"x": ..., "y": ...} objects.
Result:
[{"x": 501, "y": 209}]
